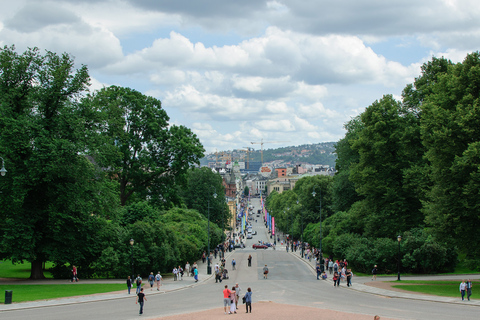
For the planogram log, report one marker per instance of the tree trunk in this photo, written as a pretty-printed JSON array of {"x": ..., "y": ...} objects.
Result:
[{"x": 37, "y": 271}]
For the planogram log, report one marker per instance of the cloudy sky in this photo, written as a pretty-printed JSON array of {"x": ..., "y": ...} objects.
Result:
[{"x": 239, "y": 71}]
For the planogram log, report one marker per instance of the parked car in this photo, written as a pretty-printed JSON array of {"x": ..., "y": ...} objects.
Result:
[
  {"x": 259, "y": 246},
  {"x": 249, "y": 236}
]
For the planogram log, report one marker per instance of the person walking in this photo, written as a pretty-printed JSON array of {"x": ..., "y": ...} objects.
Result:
[
  {"x": 374, "y": 273},
  {"x": 138, "y": 282},
  {"x": 175, "y": 273},
  {"x": 141, "y": 300},
  {"x": 233, "y": 299},
  {"x": 265, "y": 272},
  {"x": 237, "y": 292},
  {"x": 226, "y": 298},
  {"x": 195, "y": 274},
  {"x": 248, "y": 300},
  {"x": 204, "y": 256},
  {"x": 468, "y": 285},
  {"x": 158, "y": 279},
  {"x": 330, "y": 266},
  {"x": 463, "y": 286},
  {"x": 249, "y": 260},
  {"x": 349, "y": 275},
  {"x": 74, "y": 274},
  {"x": 151, "y": 279},
  {"x": 187, "y": 268},
  {"x": 336, "y": 279},
  {"x": 233, "y": 264},
  {"x": 317, "y": 268},
  {"x": 129, "y": 284}
]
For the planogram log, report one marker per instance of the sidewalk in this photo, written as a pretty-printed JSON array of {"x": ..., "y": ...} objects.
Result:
[
  {"x": 168, "y": 285},
  {"x": 359, "y": 285}
]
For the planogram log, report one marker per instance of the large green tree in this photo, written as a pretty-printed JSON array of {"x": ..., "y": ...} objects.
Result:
[
  {"x": 198, "y": 193},
  {"x": 146, "y": 154},
  {"x": 450, "y": 132},
  {"x": 53, "y": 196}
]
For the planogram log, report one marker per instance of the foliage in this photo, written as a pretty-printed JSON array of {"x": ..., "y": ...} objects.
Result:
[
  {"x": 55, "y": 194},
  {"x": 197, "y": 194},
  {"x": 145, "y": 153}
]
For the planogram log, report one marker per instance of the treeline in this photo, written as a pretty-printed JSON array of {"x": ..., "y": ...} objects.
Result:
[
  {"x": 407, "y": 168},
  {"x": 88, "y": 171}
]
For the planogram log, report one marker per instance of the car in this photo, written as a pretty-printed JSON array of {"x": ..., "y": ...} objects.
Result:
[
  {"x": 254, "y": 232},
  {"x": 239, "y": 246},
  {"x": 249, "y": 236},
  {"x": 259, "y": 246}
]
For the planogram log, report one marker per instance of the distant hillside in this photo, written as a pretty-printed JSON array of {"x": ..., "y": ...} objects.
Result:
[{"x": 319, "y": 153}]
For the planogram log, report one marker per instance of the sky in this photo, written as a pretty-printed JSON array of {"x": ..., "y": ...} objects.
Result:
[{"x": 283, "y": 72}]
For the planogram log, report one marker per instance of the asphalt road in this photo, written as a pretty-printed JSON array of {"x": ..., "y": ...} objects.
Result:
[{"x": 290, "y": 281}]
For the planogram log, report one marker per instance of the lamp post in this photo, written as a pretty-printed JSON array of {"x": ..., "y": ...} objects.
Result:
[
  {"x": 3, "y": 171},
  {"x": 320, "y": 242},
  {"x": 301, "y": 235},
  {"x": 209, "y": 267},
  {"x": 399, "y": 239},
  {"x": 131, "y": 254}
]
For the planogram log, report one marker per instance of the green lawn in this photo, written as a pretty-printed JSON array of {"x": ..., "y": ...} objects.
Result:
[
  {"x": 20, "y": 271},
  {"x": 438, "y": 288},
  {"x": 52, "y": 291}
]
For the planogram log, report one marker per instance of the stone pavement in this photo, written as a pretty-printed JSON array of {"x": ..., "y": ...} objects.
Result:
[
  {"x": 169, "y": 285},
  {"x": 358, "y": 284}
]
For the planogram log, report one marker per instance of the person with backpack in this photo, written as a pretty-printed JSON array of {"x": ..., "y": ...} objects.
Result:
[
  {"x": 374, "y": 272},
  {"x": 151, "y": 279},
  {"x": 158, "y": 279},
  {"x": 138, "y": 282},
  {"x": 265, "y": 272}
]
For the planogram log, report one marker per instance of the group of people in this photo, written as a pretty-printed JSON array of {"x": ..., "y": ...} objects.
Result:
[
  {"x": 466, "y": 287},
  {"x": 231, "y": 297},
  {"x": 344, "y": 274}
]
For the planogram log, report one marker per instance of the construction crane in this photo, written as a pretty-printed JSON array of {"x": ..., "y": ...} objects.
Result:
[
  {"x": 247, "y": 150},
  {"x": 261, "y": 145}
]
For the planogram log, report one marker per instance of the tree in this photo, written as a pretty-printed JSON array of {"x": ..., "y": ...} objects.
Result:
[
  {"x": 388, "y": 145},
  {"x": 198, "y": 192},
  {"x": 149, "y": 155},
  {"x": 53, "y": 197},
  {"x": 450, "y": 132}
]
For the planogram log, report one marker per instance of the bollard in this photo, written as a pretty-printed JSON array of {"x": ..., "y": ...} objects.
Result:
[{"x": 8, "y": 296}]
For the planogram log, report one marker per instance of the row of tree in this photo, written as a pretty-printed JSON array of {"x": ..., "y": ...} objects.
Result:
[
  {"x": 409, "y": 168},
  {"x": 81, "y": 165}
]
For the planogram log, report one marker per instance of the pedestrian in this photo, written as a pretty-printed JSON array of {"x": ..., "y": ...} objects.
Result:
[
  {"x": 158, "y": 279},
  {"x": 226, "y": 298},
  {"x": 330, "y": 266},
  {"x": 249, "y": 260},
  {"x": 195, "y": 274},
  {"x": 175, "y": 273},
  {"x": 374, "y": 273},
  {"x": 265, "y": 272},
  {"x": 336, "y": 279},
  {"x": 248, "y": 300},
  {"x": 187, "y": 268},
  {"x": 233, "y": 298},
  {"x": 138, "y": 282},
  {"x": 237, "y": 292},
  {"x": 349, "y": 275},
  {"x": 129, "y": 284},
  {"x": 463, "y": 286},
  {"x": 180, "y": 273},
  {"x": 468, "y": 285},
  {"x": 317, "y": 268},
  {"x": 141, "y": 300},
  {"x": 287, "y": 247},
  {"x": 151, "y": 279},
  {"x": 233, "y": 264},
  {"x": 195, "y": 266},
  {"x": 204, "y": 256},
  {"x": 74, "y": 274}
]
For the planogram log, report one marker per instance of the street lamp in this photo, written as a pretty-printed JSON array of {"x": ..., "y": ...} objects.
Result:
[
  {"x": 3, "y": 171},
  {"x": 320, "y": 242},
  {"x": 209, "y": 268},
  {"x": 131, "y": 254},
  {"x": 301, "y": 235},
  {"x": 399, "y": 239}
]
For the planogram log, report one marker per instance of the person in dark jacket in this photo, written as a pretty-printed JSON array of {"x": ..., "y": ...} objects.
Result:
[{"x": 248, "y": 300}]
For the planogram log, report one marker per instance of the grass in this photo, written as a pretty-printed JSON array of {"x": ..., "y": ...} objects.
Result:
[
  {"x": 20, "y": 271},
  {"x": 23, "y": 293},
  {"x": 437, "y": 288}
]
